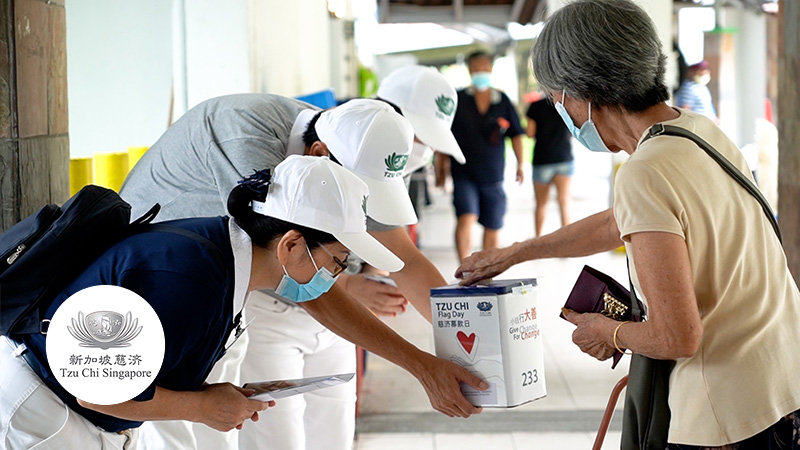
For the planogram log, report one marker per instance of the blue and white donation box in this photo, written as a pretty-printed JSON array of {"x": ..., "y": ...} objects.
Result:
[{"x": 494, "y": 331}]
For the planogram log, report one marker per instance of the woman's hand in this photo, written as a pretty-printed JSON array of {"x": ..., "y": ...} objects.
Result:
[
  {"x": 224, "y": 406},
  {"x": 485, "y": 264},
  {"x": 594, "y": 333},
  {"x": 441, "y": 380},
  {"x": 380, "y": 298},
  {"x": 221, "y": 406}
]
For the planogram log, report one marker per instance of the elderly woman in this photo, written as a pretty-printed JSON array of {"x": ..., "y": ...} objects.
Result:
[{"x": 704, "y": 257}]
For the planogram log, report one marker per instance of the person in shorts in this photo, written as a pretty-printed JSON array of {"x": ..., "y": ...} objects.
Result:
[
  {"x": 484, "y": 118},
  {"x": 552, "y": 160}
]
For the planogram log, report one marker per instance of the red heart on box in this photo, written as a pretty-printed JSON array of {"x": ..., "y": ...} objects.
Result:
[{"x": 466, "y": 341}]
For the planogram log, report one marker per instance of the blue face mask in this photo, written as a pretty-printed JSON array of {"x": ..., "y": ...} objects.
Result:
[
  {"x": 320, "y": 283},
  {"x": 587, "y": 134},
  {"x": 482, "y": 80}
]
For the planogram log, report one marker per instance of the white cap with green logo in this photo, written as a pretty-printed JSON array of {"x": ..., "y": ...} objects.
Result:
[
  {"x": 317, "y": 193},
  {"x": 372, "y": 140},
  {"x": 428, "y": 102}
]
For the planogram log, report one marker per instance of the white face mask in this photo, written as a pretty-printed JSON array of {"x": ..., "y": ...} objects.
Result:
[{"x": 702, "y": 79}]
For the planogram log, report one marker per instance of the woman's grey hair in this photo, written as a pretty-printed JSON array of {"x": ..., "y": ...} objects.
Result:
[{"x": 603, "y": 51}]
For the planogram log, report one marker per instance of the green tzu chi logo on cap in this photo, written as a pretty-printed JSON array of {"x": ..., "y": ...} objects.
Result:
[
  {"x": 364, "y": 207},
  {"x": 394, "y": 165},
  {"x": 446, "y": 105}
]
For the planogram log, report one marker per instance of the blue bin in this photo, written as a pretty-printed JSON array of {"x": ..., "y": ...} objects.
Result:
[{"x": 322, "y": 99}]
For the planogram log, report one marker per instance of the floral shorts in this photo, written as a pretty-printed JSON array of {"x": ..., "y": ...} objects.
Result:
[{"x": 783, "y": 435}]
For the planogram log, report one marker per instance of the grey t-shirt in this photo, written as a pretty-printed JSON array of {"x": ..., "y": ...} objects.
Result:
[{"x": 192, "y": 168}]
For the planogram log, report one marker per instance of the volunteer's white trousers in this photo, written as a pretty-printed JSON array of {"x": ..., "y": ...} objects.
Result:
[
  {"x": 287, "y": 343},
  {"x": 185, "y": 435},
  {"x": 33, "y": 417}
]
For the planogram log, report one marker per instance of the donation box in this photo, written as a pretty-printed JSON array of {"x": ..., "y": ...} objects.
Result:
[{"x": 494, "y": 331}]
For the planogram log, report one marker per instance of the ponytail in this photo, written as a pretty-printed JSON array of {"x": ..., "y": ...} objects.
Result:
[{"x": 263, "y": 229}]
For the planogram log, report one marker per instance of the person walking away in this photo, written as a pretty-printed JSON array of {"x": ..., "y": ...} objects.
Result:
[{"x": 552, "y": 160}]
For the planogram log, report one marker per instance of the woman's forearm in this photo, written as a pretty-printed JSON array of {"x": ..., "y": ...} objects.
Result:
[
  {"x": 221, "y": 406},
  {"x": 594, "y": 234},
  {"x": 165, "y": 405}
]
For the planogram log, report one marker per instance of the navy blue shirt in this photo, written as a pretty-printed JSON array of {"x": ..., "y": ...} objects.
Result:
[
  {"x": 481, "y": 138},
  {"x": 552, "y": 136},
  {"x": 184, "y": 283}
]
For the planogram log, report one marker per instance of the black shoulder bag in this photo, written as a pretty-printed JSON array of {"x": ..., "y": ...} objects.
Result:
[{"x": 645, "y": 423}]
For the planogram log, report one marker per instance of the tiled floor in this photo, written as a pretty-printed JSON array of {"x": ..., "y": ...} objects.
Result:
[
  {"x": 396, "y": 414},
  {"x": 470, "y": 441}
]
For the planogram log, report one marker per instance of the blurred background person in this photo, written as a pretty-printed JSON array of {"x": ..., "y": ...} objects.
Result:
[
  {"x": 484, "y": 118},
  {"x": 693, "y": 93},
  {"x": 552, "y": 159}
]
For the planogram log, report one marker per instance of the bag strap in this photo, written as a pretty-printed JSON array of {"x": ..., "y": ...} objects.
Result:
[
  {"x": 661, "y": 129},
  {"x": 212, "y": 247},
  {"x": 148, "y": 216},
  {"x": 142, "y": 224}
]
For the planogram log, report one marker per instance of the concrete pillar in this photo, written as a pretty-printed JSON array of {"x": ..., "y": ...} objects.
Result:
[
  {"x": 789, "y": 131},
  {"x": 751, "y": 69},
  {"x": 738, "y": 59},
  {"x": 719, "y": 52},
  {"x": 34, "y": 144}
]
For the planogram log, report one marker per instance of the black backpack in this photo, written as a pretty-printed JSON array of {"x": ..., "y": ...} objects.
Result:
[{"x": 43, "y": 253}]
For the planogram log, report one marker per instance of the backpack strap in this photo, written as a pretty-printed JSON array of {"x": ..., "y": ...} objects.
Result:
[
  {"x": 671, "y": 130},
  {"x": 204, "y": 241},
  {"x": 148, "y": 216},
  {"x": 212, "y": 247}
]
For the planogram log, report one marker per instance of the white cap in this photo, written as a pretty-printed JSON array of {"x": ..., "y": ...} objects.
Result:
[
  {"x": 317, "y": 193},
  {"x": 371, "y": 139},
  {"x": 428, "y": 102}
]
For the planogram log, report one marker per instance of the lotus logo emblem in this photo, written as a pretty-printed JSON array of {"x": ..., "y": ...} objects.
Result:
[
  {"x": 364, "y": 207},
  {"x": 446, "y": 105},
  {"x": 395, "y": 162},
  {"x": 484, "y": 306},
  {"x": 104, "y": 329}
]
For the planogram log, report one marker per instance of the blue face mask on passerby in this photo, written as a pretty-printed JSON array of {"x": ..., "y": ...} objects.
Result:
[
  {"x": 482, "y": 80},
  {"x": 320, "y": 283},
  {"x": 587, "y": 134}
]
